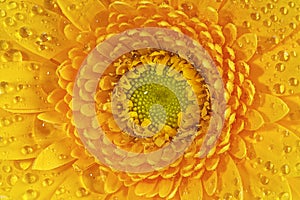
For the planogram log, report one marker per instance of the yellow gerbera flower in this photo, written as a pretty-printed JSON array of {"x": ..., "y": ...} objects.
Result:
[{"x": 161, "y": 99}]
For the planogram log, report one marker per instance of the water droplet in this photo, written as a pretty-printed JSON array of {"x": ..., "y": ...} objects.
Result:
[
  {"x": 2, "y": 13},
  {"x": 264, "y": 10},
  {"x": 72, "y": 7},
  {"x": 7, "y": 168},
  {"x": 287, "y": 149},
  {"x": 82, "y": 192},
  {"x": 4, "y": 45},
  {"x": 270, "y": 5},
  {"x": 255, "y": 16},
  {"x": 274, "y": 18},
  {"x": 9, "y": 21},
  {"x": 25, "y": 32},
  {"x": 19, "y": 16},
  {"x": 30, "y": 195},
  {"x": 30, "y": 178},
  {"x": 285, "y": 169},
  {"x": 269, "y": 165},
  {"x": 12, "y": 179},
  {"x": 12, "y": 5},
  {"x": 293, "y": 25},
  {"x": 284, "y": 10},
  {"x": 18, "y": 99},
  {"x": 62, "y": 157},
  {"x": 291, "y": 4},
  {"x": 16, "y": 56},
  {"x": 267, "y": 23},
  {"x": 37, "y": 10},
  {"x": 283, "y": 55},
  {"x": 47, "y": 182},
  {"x": 60, "y": 190},
  {"x": 19, "y": 118},
  {"x": 27, "y": 150},
  {"x": 246, "y": 24},
  {"x": 294, "y": 82},
  {"x": 280, "y": 67},
  {"x": 279, "y": 88},
  {"x": 264, "y": 180},
  {"x": 284, "y": 196}
]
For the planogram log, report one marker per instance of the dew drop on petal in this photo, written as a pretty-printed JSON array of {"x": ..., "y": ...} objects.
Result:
[
  {"x": 269, "y": 165},
  {"x": 283, "y": 55},
  {"x": 25, "y": 32},
  {"x": 284, "y": 196},
  {"x": 47, "y": 182},
  {"x": 27, "y": 150},
  {"x": 280, "y": 67},
  {"x": 30, "y": 178},
  {"x": 30, "y": 194},
  {"x": 285, "y": 169},
  {"x": 279, "y": 88},
  {"x": 264, "y": 180},
  {"x": 12, "y": 5},
  {"x": 7, "y": 168},
  {"x": 12, "y": 179},
  {"x": 293, "y": 82},
  {"x": 284, "y": 10},
  {"x": 255, "y": 16},
  {"x": 82, "y": 192},
  {"x": 9, "y": 21}
]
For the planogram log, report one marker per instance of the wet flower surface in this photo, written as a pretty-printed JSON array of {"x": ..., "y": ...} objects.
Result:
[{"x": 149, "y": 101}]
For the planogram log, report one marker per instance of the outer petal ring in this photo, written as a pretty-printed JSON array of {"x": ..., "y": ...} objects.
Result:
[{"x": 114, "y": 47}]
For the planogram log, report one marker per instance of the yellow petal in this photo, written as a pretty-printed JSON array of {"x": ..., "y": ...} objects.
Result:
[
  {"x": 165, "y": 187},
  {"x": 16, "y": 140},
  {"x": 94, "y": 179},
  {"x": 55, "y": 155},
  {"x": 33, "y": 184},
  {"x": 263, "y": 18},
  {"x": 278, "y": 71},
  {"x": 238, "y": 147},
  {"x": 294, "y": 107},
  {"x": 145, "y": 187},
  {"x": 191, "y": 189},
  {"x": 24, "y": 86},
  {"x": 294, "y": 185},
  {"x": 272, "y": 108},
  {"x": 52, "y": 117},
  {"x": 278, "y": 147},
  {"x": 39, "y": 30},
  {"x": 245, "y": 46},
  {"x": 254, "y": 120},
  {"x": 112, "y": 184},
  {"x": 259, "y": 183},
  {"x": 81, "y": 13},
  {"x": 229, "y": 180},
  {"x": 210, "y": 181}
]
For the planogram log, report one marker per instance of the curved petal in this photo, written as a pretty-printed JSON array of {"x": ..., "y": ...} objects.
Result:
[
  {"x": 37, "y": 29},
  {"x": 272, "y": 108},
  {"x": 254, "y": 120},
  {"x": 278, "y": 148},
  {"x": 229, "y": 180},
  {"x": 278, "y": 71},
  {"x": 245, "y": 46},
  {"x": 191, "y": 189},
  {"x": 81, "y": 12},
  {"x": 55, "y": 155},
  {"x": 263, "y": 18},
  {"x": 294, "y": 107}
]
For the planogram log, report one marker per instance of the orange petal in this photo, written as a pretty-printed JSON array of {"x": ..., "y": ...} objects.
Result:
[
  {"x": 229, "y": 180},
  {"x": 41, "y": 31},
  {"x": 238, "y": 147},
  {"x": 81, "y": 13},
  {"x": 55, "y": 155},
  {"x": 191, "y": 189},
  {"x": 112, "y": 183},
  {"x": 254, "y": 120},
  {"x": 210, "y": 181},
  {"x": 263, "y": 18},
  {"x": 272, "y": 108},
  {"x": 277, "y": 148},
  {"x": 278, "y": 71},
  {"x": 245, "y": 46}
]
